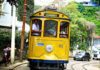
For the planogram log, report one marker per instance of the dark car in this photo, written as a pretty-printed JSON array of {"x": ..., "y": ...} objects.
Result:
[{"x": 84, "y": 56}]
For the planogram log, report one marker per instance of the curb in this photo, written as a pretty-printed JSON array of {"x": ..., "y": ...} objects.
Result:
[{"x": 12, "y": 66}]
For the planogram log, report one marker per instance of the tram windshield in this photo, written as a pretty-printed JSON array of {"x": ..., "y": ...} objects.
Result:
[{"x": 50, "y": 29}]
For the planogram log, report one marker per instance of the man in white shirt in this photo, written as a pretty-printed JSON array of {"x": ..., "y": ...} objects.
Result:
[{"x": 36, "y": 28}]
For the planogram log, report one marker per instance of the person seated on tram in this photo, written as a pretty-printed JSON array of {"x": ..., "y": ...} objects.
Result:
[
  {"x": 36, "y": 28},
  {"x": 63, "y": 30}
]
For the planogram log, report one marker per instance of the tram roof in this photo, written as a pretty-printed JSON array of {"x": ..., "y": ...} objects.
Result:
[{"x": 47, "y": 13}]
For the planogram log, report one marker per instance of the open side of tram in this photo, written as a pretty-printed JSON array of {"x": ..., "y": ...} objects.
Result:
[{"x": 49, "y": 42}]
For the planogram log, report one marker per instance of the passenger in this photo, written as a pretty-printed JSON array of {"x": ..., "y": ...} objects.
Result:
[
  {"x": 6, "y": 55},
  {"x": 35, "y": 28},
  {"x": 63, "y": 34}
]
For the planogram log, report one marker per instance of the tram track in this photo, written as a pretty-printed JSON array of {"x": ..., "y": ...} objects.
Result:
[
  {"x": 18, "y": 66},
  {"x": 74, "y": 66},
  {"x": 82, "y": 65}
]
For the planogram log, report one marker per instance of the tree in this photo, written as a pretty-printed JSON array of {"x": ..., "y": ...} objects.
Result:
[
  {"x": 30, "y": 9},
  {"x": 96, "y": 1},
  {"x": 5, "y": 37},
  {"x": 80, "y": 29},
  {"x": 12, "y": 2},
  {"x": 92, "y": 14}
]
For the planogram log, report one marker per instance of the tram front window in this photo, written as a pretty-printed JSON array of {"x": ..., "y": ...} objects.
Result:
[
  {"x": 36, "y": 27},
  {"x": 50, "y": 29},
  {"x": 63, "y": 30}
]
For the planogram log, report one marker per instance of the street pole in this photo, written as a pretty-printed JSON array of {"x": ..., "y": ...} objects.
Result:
[
  {"x": 23, "y": 32},
  {"x": 1, "y": 1},
  {"x": 13, "y": 15},
  {"x": 91, "y": 44}
]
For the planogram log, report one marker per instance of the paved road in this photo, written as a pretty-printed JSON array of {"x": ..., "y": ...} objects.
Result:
[
  {"x": 22, "y": 67},
  {"x": 72, "y": 65},
  {"x": 83, "y": 65}
]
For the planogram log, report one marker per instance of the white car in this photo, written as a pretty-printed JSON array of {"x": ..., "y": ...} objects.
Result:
[
  {"x": 84, "y": 56},
  {"x": 96, "y": 54}
]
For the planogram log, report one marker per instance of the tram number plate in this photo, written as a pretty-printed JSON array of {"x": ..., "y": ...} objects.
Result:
[{"x": 40, "y": 44}]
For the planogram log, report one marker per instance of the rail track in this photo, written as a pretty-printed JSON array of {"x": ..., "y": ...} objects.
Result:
[
  {"x": 81, "y": 66},
  {"x": 75, "y": 65},
  {"x": 14, "y": 68}
]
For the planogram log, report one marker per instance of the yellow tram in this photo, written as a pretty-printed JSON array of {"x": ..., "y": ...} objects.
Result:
[{"x": 49, "y": 42}]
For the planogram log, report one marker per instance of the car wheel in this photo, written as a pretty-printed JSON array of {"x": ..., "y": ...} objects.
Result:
[
  {"x": 74, "y": 59},
  {"x": 88, "y": 59},
  {"x": 84, "y": 59}
]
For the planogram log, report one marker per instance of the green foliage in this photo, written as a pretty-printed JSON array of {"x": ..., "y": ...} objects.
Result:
[
  {"x": 90, "y": 13},
  {"x": 81, "y": 8},
  {"x": 20, "y": 10},
  {"x": 5, "y": 38},
  {"x": 18, "y": 39},
  {"x": 36, "y": 7},
  {"x": 96, "y": 1},
  {"x": 83, "y": 46},
  {"x": 29, "y": 8},
  {"x": 79, "y": 33},
  {"x": 72, "y": 9}
]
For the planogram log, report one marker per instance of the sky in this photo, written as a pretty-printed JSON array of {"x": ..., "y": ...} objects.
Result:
[
  {"x": 82, "y": 0},
  {"x": 42, "y": 2},
  {"x": 46, "y": 2}
]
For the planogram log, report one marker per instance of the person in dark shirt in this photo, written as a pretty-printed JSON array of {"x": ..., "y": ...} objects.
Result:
[{"x": 6, "y": 55}]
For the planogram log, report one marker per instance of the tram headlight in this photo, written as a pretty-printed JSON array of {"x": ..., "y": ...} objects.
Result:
[{"x": 49, "y": 48}]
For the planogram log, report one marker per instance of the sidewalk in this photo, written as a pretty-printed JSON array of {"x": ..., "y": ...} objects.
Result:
[{"x": 11, "y": 66}]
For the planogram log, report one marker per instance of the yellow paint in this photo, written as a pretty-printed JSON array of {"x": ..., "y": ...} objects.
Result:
[{"x": 60, "y": 45}]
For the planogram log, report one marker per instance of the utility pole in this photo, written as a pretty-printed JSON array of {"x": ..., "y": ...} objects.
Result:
[
  {"x": 13, "y": 21},
  {"x": 1, "y": 13},
  {"x": 13, "y": 15},
  {"x": 23, "y": 31},
  {"x": 91, "y": 44}
]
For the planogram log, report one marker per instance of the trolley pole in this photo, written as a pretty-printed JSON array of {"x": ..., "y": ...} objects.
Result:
[{"x": 23, "y": 31}]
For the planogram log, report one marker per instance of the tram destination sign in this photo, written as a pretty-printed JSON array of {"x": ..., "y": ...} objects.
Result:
[{"x": 51, "y": 15}]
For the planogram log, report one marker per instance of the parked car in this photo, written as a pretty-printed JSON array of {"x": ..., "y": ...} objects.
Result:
[
  {"x": 84, "y": 56},
  {"x": 96, "y": 54}
]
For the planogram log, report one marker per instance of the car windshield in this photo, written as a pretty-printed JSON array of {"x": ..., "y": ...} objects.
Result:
[{"x": 80, "y": 53}]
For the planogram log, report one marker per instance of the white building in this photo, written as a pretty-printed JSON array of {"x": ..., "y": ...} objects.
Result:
[
  {"x": 97, "y": 42},
  {"x": 6, "y": 19}
]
